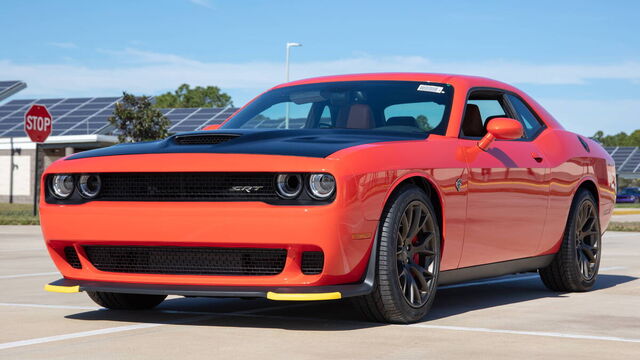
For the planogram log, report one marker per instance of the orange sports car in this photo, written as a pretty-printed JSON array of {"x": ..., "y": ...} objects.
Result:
[{"x": 378, "y": 187}]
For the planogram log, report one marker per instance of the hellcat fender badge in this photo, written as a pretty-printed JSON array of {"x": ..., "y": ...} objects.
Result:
[{"x": 459, "y": 184}]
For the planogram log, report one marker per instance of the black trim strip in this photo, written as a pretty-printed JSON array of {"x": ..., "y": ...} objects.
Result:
[{"x": 494, "y": 269}]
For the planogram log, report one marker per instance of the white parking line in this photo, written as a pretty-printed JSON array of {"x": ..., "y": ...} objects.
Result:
[
  {"x": 207, "y": 316},
  {"x": 27, "y": 275},
  {"x": 41, "y": 340},
  {"x": 43, "y": 306},
  {"x": 530, "y": 333}
]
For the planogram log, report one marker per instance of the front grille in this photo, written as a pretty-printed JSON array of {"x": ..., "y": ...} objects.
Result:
[
  {"x": 71, "y": 256},
  {"x": 203, "y": 139},
  {"x": 187, "y": 186},
  {"x": 312, "y": 262},
  {"x": 174, "y": 260}
]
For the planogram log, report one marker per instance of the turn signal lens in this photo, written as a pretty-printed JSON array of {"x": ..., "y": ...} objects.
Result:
[
  {"x": 321, "y": 186},
  {"x": 89, "y": 185},
  {"x": 61, "y": 186},
  {"x": 289, "y": 186}
]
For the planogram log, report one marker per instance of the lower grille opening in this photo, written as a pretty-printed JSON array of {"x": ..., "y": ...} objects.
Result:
[
  {"x": 179, "y": 260},
  {"x": 312, "y": 262},
  {"x": 72, "y": 258}
]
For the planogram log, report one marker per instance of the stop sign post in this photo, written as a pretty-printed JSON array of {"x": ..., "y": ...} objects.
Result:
[{"x": 38, "y": 125}]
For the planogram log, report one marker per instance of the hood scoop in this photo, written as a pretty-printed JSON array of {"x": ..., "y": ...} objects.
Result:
[{"x": 203, "y": 139}]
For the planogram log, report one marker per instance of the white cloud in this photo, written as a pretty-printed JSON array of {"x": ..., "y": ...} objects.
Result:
[
  {"x": 203, "y": 3},
  {"x": 63, "y": 45},
  {"x": 144, "y": 72}
]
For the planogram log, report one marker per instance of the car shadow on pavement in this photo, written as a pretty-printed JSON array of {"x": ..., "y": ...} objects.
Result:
[
  {"x": 337, "y": 315},
  {"x": 458, "y": 300}
]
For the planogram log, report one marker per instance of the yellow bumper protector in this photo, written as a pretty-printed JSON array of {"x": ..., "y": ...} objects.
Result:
[
  {"x": 62, "y": 289},
  {"x": 303, "y": 297}
]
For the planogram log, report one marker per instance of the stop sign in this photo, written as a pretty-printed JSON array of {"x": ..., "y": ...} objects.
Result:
[{"x": 38, "y": 123}]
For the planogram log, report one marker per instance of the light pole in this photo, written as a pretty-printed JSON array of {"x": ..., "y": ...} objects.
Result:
[
  {"x": 286, "y": 78},
  {"x": 286, "y": 70}
]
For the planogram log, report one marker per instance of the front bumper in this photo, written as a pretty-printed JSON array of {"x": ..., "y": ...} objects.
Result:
[{"x": 344, "y": 239}]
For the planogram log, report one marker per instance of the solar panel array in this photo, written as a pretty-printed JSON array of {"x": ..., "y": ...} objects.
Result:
[
  {"x": 81, "y": 116},
  {"x": 8, "y": 88},
  {"x": 627, "y": 158}
]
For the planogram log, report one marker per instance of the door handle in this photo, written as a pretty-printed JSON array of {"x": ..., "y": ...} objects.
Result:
[{"x": 536, "y": 157}]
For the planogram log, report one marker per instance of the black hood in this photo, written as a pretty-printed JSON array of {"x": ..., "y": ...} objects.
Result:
[{"x": 306, "y": 142}]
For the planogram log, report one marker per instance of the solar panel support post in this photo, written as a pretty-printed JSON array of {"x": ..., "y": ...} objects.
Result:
[
  {"x": 12, "y": 165},
  {"x": 36, "y": 182}
]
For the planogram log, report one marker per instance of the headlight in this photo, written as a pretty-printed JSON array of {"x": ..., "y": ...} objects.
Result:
[
  {"x": 89, "y": 185},
  {"x": 289, "y": 186},
  {"x": 62, "y": 186},
  {"x": 321, "y": 186}
]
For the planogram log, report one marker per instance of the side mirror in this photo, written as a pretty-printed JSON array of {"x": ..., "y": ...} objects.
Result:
[
  {"x": 212, "y": 127},
  {"x": 502, "y": 129}
]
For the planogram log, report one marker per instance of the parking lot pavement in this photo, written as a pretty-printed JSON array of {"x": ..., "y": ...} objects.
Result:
[{"x": 505, "y": 318}]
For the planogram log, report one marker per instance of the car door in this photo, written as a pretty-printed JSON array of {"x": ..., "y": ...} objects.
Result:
[{"x": 508, "y": 185}]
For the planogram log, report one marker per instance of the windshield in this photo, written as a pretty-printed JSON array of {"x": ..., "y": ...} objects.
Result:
[{"x": 364, "y": 105}]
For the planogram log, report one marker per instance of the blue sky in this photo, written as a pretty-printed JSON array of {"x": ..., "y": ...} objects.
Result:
[{"x": 580, "y": 59}]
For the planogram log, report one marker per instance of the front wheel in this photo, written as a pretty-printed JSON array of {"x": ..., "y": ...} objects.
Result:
[
  {"x": 408, "y": 260},
  {"x": 575, "y": 266}
]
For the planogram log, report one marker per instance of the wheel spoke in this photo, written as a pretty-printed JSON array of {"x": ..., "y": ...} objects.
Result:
[
  {"x": 416, "y": 214},
  {"x": 588, "y": 225},
  {"x": 589, "y": 252},
  {"x": 422, "y": 276}
]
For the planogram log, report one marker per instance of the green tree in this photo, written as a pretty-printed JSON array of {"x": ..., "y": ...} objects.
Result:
[
  {"x": 186, "y": 97},
  {"x": 619, "y": 139},
  {"x": 136, "y": 119}
]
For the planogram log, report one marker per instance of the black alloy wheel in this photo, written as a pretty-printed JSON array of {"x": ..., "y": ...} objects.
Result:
[
  {"x": 587, "y": 237},
  {"x": 575, "y": 266},
  {"x": 416, "y": 253}
]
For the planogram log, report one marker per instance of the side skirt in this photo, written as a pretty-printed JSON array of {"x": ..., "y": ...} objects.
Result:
[{"x": 494, "y": 269}]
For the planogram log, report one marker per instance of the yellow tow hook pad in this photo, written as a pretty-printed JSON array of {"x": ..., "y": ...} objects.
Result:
[
  {"x": 303, "y": 297},
  {"x": 62, "y": 289}
]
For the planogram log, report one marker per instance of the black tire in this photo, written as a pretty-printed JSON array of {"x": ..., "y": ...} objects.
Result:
[
  {"x": 575, "y": 266},
  {"x": 119, "y": 301},
  {"x": 403, "y": 263}
]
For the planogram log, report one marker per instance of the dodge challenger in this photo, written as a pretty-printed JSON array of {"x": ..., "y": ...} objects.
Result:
[{"x": 376, "y": 187}]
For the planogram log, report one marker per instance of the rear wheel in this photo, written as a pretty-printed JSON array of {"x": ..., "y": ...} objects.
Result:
[
  {"x": 408, "y": 260},
  {"x": 575, "y": 266},
  {"x": 119, "y": 301}
]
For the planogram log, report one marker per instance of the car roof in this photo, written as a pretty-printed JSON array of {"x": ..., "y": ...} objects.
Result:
[
  {"x": 455, "y": 80},
  {"x": 461, "y": 83}
]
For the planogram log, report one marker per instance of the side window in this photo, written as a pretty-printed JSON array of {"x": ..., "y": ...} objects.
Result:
[
  {"x": 325, "y": 118},
  {"x": 481, "y": 107},
  {"x": 423, "y": 115},
  {"x": 489, "y": 108},
  {"x": 530, "y": 122}
]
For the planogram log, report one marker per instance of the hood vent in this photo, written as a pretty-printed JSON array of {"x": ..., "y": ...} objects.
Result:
[{"x": 203, "y": 139}]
